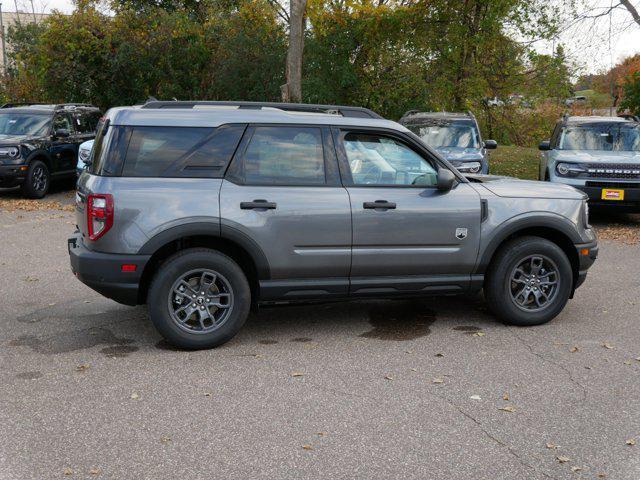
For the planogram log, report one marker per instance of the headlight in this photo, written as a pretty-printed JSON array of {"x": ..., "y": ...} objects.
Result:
[
  {"x": 472, "y": 167},
  {"x": 570, "y": 169},
  {"x": 11, "y": 152},
  {"x": 585, "y": 213}
]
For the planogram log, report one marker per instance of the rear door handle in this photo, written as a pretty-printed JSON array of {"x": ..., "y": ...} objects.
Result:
[
  {"x": 379, "y": 204},
  {"x": 258, "y": 205}
]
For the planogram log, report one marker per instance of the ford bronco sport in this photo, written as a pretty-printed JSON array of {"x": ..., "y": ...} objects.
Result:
[
  {"x": 455, "y": 136},
  {"x": 39, "y": 143},
  {"x": 201, "y": 209},
  {"x": 598, "y": 155}
]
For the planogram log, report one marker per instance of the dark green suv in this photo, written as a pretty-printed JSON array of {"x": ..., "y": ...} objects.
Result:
[{"x": 39, "y": 143}]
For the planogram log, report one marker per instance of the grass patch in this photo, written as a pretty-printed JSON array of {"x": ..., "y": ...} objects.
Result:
[
  {"x": 595, "y": 99},
  {"x": 519, "y": 162}
]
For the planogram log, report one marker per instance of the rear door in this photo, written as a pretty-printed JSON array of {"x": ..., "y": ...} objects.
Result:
[
  {"x": 407, "y": 235},
  {"x": 283, "y": 192}
]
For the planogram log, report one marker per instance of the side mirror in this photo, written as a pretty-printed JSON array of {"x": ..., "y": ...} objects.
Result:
[
  {"x": 446, "y": 179},
  {"x": 546, "y": 145},
  {"x": 61, "y": 133},
  {"x": 490, "y": 144}
]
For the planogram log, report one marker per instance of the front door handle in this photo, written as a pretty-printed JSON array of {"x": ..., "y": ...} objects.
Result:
[
  {"x": 258, "y": 205},
  {"x": 383, "y": 204}
]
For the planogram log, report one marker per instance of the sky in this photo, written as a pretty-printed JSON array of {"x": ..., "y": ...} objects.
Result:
[{"x": 593, "y": 44}]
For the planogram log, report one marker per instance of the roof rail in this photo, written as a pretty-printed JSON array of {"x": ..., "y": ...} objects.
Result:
[
  {"x": 345, "y": 111},
  {"x": 409, "y": 112},
  {"x": 17, "y": 104},
  {"x": 62, "y": 106}
]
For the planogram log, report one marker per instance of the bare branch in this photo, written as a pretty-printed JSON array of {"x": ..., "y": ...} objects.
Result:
[{"x": 632, "y": 10}]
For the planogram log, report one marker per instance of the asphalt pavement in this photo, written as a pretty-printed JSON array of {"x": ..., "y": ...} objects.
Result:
[{"x": 425, "y": 389}]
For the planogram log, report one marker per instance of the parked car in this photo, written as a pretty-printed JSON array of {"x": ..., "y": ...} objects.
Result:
[
  {"x": 84, "y": 151},
  {"x": 598, "y": 155},
  {"x": 39, "y": 143},
  {"x": 200, "y": 211},
  {"x": 455, "y": 136}
]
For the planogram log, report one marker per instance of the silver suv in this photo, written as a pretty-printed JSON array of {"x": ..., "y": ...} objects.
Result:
[
  {"x": 598, "y": 155},
  {"x": 201, "y": 209}
]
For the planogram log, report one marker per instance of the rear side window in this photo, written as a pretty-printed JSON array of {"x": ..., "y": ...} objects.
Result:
[
  {"x": 180, "y": 151},
  {"x": 284, "y": 156}
]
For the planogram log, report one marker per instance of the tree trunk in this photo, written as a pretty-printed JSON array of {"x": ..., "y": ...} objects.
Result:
[
  {"x": 292, "y": 90},
  {"x": 632, "y": 10}
]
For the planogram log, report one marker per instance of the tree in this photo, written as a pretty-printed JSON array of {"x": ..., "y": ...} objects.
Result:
[
  {"x": 292, "y": 89},
  {"x": 631, "y": 99}
]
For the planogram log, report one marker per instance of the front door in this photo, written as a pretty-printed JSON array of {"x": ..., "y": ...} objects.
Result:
[
  {"x": 64, "y": 149},
  {"x": 283, "y": 192},
  {"x": 408, "y": 236}
]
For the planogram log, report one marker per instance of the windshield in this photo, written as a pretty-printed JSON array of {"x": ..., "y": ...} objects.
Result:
[
  {"x": 447, "y": 134},
  {"x": 616, "y": 137},
  {"x": 12, "y": 123}
]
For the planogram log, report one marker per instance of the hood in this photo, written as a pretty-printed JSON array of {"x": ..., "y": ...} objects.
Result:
[
  {"x": 514, "y": 188},
  {"x": 13, "y": 140},
  {"x": 460, "y": 153},
  {"x": 596, "y": 156}
]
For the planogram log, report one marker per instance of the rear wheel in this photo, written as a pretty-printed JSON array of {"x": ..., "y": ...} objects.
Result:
[
  {"x": 36, "y": 184},
  {"x": 529, "y": 281},
  {"x": 199, "y": 298}
]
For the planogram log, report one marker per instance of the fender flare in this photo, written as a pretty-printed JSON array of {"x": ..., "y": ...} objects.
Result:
[
  {"x": 549, "y": 221},
  {"x": 39, "y": 153},
  {"x": 211, "y": 229}
]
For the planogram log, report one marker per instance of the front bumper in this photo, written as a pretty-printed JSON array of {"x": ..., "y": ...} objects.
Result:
[
  {"x": 13, "y": 175},
  {"x": 587, "y": 254},
  {"x": 631, "y": 200},
  {"x": 103, "y": 271}
]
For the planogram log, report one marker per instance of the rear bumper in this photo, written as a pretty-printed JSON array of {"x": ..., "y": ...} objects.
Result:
[
  {"x": 12, "y": 175},
  {"x": 587, "y": 254},
  {"x": 103, "y": 271}
]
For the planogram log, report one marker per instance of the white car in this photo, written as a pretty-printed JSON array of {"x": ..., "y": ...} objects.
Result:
[{"x": 84, "y": 151}]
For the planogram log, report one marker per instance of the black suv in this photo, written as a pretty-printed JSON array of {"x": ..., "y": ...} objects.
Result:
[{"x": 39, "y": 143}]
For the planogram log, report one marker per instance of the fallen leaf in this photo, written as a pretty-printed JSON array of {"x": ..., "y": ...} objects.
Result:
[
  {"x": 83, "y": 367},
  {"x": 552, "y": 446},
  {"x": 94, "y": 471},
  {"x": 414, "y": 369},
  {"x": 508, "y": 408},
  {"x": 576, "y": 469},
  {"x": 207, "y": 394},
  {"x": 52, "y": 304},
  {"x": 135, "y": 396},
  {"x": 506, "y": 397},
  {"x": 307, "y": 447},
  {"x": 442, "y": 355},
  {"x": 68, "y": 471},
  {"x": 607, "y": 345},
  {"x": 574, "y": 349},
  {"x": 563, "y": 459},
  {"x": 602, "y": 475},
  {"x": 478, "y": 334},
  {"x": 437, "y": 380},
  {"x": 408, "y": 351},
  {"x": 627, "y": 362},
  {"x": 631, "y": 441},
  {"x": 165, "y": 439},
  {"x": 321, "y": 434},
  {"x": 297, "y": 374},
  {"x": 475, "y": 397},
  {"x": 388, "y": 377}
]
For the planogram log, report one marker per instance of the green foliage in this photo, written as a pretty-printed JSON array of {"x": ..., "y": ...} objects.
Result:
[{"x": 631, "y": 99}]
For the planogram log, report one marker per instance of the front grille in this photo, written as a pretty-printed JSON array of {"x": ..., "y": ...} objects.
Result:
[
  {"x": 625, "y": 185},
  {"x": 608, "y": 170}
]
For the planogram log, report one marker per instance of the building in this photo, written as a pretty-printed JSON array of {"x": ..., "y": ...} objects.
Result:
[{"x": 8, "y": 19}]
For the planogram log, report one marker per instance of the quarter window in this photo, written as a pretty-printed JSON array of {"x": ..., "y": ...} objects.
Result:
[
  {"x": 380, "y": 160},
  {"x": 284, "y": 156}
]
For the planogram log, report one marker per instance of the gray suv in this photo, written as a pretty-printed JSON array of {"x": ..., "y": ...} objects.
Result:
[
  {"x": 202, "y": 209},
  {"x": 598, "y": 155},
  {"x": 455, "y": 136}
]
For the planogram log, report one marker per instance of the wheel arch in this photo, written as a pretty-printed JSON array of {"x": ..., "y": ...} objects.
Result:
[
  {"x": 41, "y": 155},
  {"x": 233, "y": 243},
  {"x": 557, "y": 230}
]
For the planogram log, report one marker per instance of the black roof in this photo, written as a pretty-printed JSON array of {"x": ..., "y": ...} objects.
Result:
[
  {"x": 417, "y": 115},
  {"x": 49, "y": 107},
  {"x": 343, "y": 110}
]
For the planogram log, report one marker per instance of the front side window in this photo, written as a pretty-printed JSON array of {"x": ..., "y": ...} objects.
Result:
[
  {"x": 85, "y": 123},
  {"x": 436, "y": 134},
  {"x": 12, "y": 123},
  {"x": 380, "y": 160},
  {"x": 284, "y": 156},
  {"x": 62, "y": 122},
  {"x": 606, "y": 136}
]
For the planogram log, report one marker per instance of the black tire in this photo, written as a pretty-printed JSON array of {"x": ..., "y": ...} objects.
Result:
[
  {"x": 500, "y": 288},
  {"x": 37, "y": 182},
  {"x": 161, "y": 292}
]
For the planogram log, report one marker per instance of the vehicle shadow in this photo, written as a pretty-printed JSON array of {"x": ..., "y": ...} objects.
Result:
[{"x": 60, "y": 190}]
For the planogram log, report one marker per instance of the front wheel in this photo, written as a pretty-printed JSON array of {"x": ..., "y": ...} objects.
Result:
[
  {"x": 199, "y": 298},
  {"x": 36, "y": 184},
  {"x": 529, "y": 281}
]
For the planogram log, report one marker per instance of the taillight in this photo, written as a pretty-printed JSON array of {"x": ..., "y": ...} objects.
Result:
[{"x": 99, "y": 214}]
